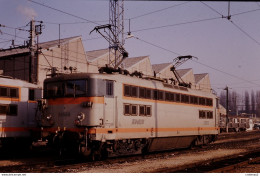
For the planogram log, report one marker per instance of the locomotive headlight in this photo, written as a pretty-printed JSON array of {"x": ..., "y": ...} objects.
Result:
[
  {"x": 81, "y": 116},
  {"x": 49, "y": 117}
]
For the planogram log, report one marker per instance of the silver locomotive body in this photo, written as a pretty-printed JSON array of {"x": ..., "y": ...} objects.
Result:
[
  {"x": 18, "y": 107},
  {"x": 117, "y": 114}
]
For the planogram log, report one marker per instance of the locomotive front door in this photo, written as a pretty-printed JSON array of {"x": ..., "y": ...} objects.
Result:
[
  {"x": 109, "y": 106},
  {"x": 109, "y": 112}
]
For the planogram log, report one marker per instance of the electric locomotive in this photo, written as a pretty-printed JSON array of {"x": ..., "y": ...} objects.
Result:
[
  {"x": 113, "y": 114},
  {"x": 18, "y": 105}
]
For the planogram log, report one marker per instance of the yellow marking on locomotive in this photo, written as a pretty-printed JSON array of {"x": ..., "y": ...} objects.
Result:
[
  {"x": 78, "y": 100},
  {"x": 143, "y": 130},
  {"x": 132, "y": 130},
  {"x": 14, "y": 129}
]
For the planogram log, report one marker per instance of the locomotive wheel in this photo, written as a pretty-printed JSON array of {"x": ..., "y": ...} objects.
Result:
[
  {"x": 84, "y": 151},
  {"x": 96, "y": 156}
]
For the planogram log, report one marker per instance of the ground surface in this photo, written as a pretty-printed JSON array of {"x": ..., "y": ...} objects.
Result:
[{"x": 227, "y": 145}]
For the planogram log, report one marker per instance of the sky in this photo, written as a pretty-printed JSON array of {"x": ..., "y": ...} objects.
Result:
[{"x": 229, "y": 50}]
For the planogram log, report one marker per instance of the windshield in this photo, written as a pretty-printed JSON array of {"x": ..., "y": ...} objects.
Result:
[{"x": 70, "y": 88}]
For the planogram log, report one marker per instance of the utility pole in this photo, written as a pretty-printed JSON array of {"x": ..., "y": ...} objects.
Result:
[
  {"x": 35, "y": 30},
  {"x": 32, "y": 74},
  {"x": 227, "y": 109}
]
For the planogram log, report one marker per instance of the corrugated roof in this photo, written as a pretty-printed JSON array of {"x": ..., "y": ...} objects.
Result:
[
  {"x": 183, "y": 72},
  {"x": 44, "y": 45},
  {"x": 199, "y": 77},
  {"x": 53, "y": 43},
  {"x": 92, "y": 55},
  {"x": 129, "y": 62},
  {"x": 13, "y": 51},
  {"x": 159, "y": 67}
]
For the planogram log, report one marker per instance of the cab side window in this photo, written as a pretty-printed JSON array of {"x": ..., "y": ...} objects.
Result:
[
  {"x": 110, "y": 88},
  {"x": 31, "y": 94}
]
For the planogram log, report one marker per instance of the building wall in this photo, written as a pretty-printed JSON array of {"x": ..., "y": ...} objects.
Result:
[
  {"x": 204, "y": 84},
  {"x": 97, "y": 63},
  {"x": 16, "y": 66},
  {"x": 143, "y": 66},
  {"x": 189, "y": 78},
  {"x": 166, "y": 73},
  {"x": 70, "y": 54}
]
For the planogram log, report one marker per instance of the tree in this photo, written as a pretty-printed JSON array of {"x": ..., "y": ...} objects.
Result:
[
  {"x": 257, "y": 100},
  {"x": 247, "y": 105},
  {"x": 233, "y": 103},
  {"x": 222, "y": 98},
  {"x": 253, "y": 102}
]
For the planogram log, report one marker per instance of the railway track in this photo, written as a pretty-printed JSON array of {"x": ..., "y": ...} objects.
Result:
[
  {"x": 232, "y": 167},
  {"x": 74, "y": 165},
  {"x": 219, "y": 165}
]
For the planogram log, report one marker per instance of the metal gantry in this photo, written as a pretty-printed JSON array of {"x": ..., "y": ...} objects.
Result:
[{"x": 114, "y": 33}]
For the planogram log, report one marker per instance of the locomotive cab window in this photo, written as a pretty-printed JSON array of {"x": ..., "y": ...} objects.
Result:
[
  {"x": 3, "y": 109},
  {"x": 53, "y": 90},
  {"x": 75, "y": 88},
  {"x": 11, "y": 109},
  {"x": 110, "y": 88},
  {"x": 9, "y": 92},
  {"x": 31, "y": 94},
  {"x": 3, "y": 92},
  {"x": 14, "y": 93},
  {"x": 71, "y": 88}
]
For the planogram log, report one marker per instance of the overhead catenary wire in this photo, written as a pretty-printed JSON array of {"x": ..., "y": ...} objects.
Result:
[
  {"x": 241, "y": 13},
  {"x": 152, "y": 44},
  {"x": 234, "y": 76},
  {"x": 61, "y": 11},
  {"x": 239, "y": 28},
  {"x": 14, "y": 35},
  {"x": 231, "y": 75},
  {"x": 18, "y": 28},
  {"x": 177, "y": 24},
  {"x": 135, "y": 17},
  {"x": 6, "y": 41},
  {"x": 243, "y": 31},
  {"x": 157, "y": 46},
  {"x": 149, "y": 13},
  {"x": 72, "y": 23},
  {"x": 211, "y": 8}
]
